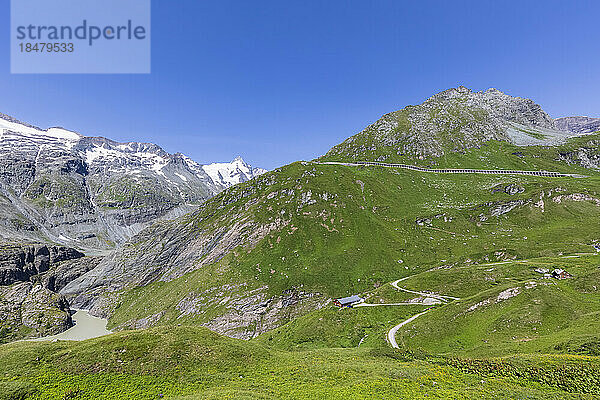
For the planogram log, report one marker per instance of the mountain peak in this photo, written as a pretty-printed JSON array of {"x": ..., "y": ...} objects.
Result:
[
  {"x": 114, "y": 189},
  {"x": 453, "y": 120},
  {"x": 234, "y": 172},
  {"x": 451, "y": 93},
  {"x": 465, "y": 92},
  {"x": 13, "y": 120},
  {"x": 493, "y": 91}
]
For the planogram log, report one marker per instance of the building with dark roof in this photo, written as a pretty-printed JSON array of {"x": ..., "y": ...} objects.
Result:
[{"x": 348, "y": 301}]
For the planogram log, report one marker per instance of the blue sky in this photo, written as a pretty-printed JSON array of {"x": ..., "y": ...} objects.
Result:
[{"x": 279, "y": 81}]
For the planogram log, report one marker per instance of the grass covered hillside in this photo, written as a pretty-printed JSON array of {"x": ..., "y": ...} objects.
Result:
[
  {"x": 194, "y": 363},
  {"x": 496, "y": 310},
  {"x": 455, "y": 270},
  {"x": 511, "y": 309},
  {"x": 576, "y": 156},
  {"x": 333, "y": 353},
  {"x": 283, "y": 244}
]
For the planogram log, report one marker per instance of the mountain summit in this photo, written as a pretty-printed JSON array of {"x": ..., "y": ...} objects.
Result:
[
  {"x": 228, "y": 174},
  {"x": 91, "y": 192},
  {"x": 455, "y": 120}
]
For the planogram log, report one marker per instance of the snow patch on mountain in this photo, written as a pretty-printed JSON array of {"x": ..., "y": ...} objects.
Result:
[
  {"x": 10, "y": 124},
  {"x": 132, "y": 157},
  {"x": 228, "y": 174},
  {"x": 61, "y": 185}
]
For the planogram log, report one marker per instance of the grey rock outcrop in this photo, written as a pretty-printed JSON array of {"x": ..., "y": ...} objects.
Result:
[
  {"x": 510, "y": 189},
  {"x": 257, "y": 313},
  {"x": 578, "y": 125},
  {"x": 61, "y": 274},
  {"x": 18, "y": 263},
  {"x": 587, "y": 155},
  {"x": 30, "y": 276},
  {"x": 29, "y": 310}
]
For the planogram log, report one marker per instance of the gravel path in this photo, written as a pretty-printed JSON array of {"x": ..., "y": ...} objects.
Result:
[{"x": 392, "y": 333}]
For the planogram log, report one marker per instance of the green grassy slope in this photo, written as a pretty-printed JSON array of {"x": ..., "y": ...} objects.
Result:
[
  {"x": 543, "y": 315},
  {"x": 311, "y": 232},
  {"x": 492, "y": 154},
  {"x": 193, "y": 363},
  {"x": 343, "y": 230},
  {"x": 334, "y": 327},
  {"x": 535, "y": 315}
]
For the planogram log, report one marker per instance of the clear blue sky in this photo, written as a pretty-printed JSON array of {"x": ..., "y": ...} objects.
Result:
[{"x": 277, "y": 81}]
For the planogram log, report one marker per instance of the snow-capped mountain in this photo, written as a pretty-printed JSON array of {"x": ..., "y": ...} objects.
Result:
[
  {"x": 92, "y": 192},
  {"x": 228, "y": 174}
]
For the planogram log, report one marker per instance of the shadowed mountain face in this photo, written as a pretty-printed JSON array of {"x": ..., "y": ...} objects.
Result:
[
  {"x": 268, "y": 250},
  {"x": 93, "y": 193}
]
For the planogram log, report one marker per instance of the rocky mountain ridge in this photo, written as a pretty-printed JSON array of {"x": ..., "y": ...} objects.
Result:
[
  {"x": 93, "y": 193},
  {"x": 20, "y": 262},
  {"x": 455, "y": 120}
]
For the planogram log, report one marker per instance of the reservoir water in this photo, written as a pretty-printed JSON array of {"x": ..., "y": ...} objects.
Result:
[{"x": 86, "y": 327}]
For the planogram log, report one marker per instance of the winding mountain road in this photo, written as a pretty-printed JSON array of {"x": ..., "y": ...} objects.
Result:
[
  {"x": 433, "y": 299},
  {"x": 385, "y": 304},
  {"x": 392, "y": 332},
  {"x": 439, "y": 297},
  {"x": 549, "y": 174}
]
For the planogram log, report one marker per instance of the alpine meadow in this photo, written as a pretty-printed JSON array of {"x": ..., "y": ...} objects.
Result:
[{"x": 449, "y": 250}]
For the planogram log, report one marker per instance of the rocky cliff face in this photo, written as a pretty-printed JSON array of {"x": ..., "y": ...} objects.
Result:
[
  {"x": 168, "y": 250},
  {"x": 93, "y": 193},
  {"x": 18, "y": 263},
  {"x": 28, "y": 309},
  {"x": 30, "y": 275},
  {"x": 454, "y": 120},
  {"x": 578, "y": 125},
  {"x": 587, "y": 154},
  {"x": 64, "y": 272}
]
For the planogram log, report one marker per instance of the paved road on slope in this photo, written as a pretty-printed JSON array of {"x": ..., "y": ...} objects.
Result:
[
  {"x": 437, "y": 299},
  {"x": 424, "y": 294},
  {"x": 392, "y": 333},
  {"x": 428, "y": 302},
  {"x": 549, "y": 174}
]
